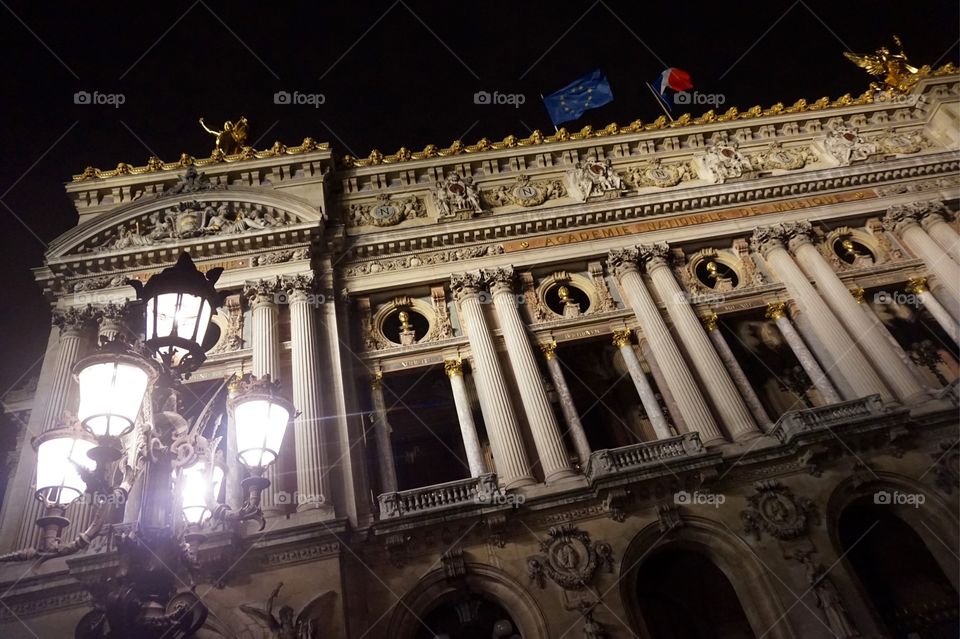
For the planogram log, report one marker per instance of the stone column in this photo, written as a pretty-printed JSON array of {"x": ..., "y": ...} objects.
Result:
[
  {"x": 775, "y": 311},
  {"x": 936, "y": 226},
  {"x": 381, "y": 428},
  {"x": 918, "y": 286},
  {"x": 543, "y": 424},
  {"x": 74, "y": 324},
  {"x": 859, "y": 295},
  {"x": 715, "y": 378},
  {"x": 265, "y": 348},
  {"x": 504, "y": 433},
  {"x": 848, "y": 361},
  {"x": 736, "y": 372},
  {"x": 871, "y": 338},
  {"x": 468, "y": 428},
  {"x": 686, "y": 392},
  {"x": 904, "y": 221},
  {"x": 669, "y": 402},
  {"x": 574, "y": 426},
  {"x": 621, "y": 339},
  {"x": 308, "y": 425}
]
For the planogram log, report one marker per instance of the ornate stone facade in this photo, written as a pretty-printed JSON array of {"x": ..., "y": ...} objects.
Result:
[{"x": 553, "y": 384}]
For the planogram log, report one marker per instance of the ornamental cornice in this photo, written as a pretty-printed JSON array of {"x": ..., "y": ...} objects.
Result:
[{"x": 648, "y": 205}]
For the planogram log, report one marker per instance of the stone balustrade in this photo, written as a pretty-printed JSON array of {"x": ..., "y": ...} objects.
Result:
[
  {"x": 473, "y": 491},
  {"x": 643, "y": 455},
  {"x": 812, "y": 419}
]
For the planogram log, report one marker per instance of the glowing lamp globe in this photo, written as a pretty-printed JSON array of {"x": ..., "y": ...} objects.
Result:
[
  {"x": 199, "y": 484},
  {"x": 112, "y": 388},
  {"x": 60, "y": 457},
  {"x": 260, "y": 416},
  {"x": 178, "y": 304}
]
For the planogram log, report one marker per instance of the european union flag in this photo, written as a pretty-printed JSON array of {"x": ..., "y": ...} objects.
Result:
[{"x": 569, "y": 103}]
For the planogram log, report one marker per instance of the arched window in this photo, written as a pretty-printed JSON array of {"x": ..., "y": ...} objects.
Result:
[
  {"x": 683, "y": 595},
  {"x": 900, "y": 576},
  {"x": 466, "y": 615}
]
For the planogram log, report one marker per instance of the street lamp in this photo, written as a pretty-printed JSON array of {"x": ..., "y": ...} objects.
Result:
[{"x": 174, "y": 463}]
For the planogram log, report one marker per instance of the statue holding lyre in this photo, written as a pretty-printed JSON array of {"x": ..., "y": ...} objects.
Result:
[{"x": 232, "y": 138}]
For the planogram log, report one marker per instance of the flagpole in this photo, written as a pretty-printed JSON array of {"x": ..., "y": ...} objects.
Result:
[
  {"x": 659, "y": 101},
  {"x": 555, "y": 129}
]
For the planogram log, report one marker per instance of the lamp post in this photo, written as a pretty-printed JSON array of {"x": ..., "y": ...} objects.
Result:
[{"x": 176, "y": 464}]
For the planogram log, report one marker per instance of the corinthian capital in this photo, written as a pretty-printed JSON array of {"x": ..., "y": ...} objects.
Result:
[
  {"x": 499, "y": 279},
  {"x": 74, "y": 319},
  {"x": 259, "y": 291},
  {"x": 468, "y": 283},
  {"x": 302, "y": 283},
  {"x": 622, "y": 261},
  {"x": 767, "y": 238},
  {"x": 654, "y": 255}
]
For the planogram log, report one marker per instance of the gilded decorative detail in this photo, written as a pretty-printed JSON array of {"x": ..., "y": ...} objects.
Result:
[
  {"x": 621, "y": 337},
  {"x": 917, "y": 285},
  {"x": 453, "y": 367},
  {"x": 710, "y": 322},
  {"x": 775, "y": 310},
  {"x": 549, "y": 349},
  {"x": 534, "y": 139},
  {"x": 894, "y": 68}
]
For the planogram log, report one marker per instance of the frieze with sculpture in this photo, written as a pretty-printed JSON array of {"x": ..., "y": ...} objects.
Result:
[
  {"x": 660, "y": 175},
  {"x": 413, "y": 261},
  {"x": 386, "y": 211},
  {"x": 193, "y": 219},
  {"x": 526, "y": 192}
]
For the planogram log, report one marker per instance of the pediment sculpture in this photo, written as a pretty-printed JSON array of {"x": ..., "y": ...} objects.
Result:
[
  {"x": 845, "y": 145},
  {"x": 192, "y": 219},
  {"x": 526, "y": 192},
  {"x": 726, "y": 162},
  {"x": 776, "y": 156},
  {"x": 661, "y": 175},
  {"x": 386, "y": 211}
]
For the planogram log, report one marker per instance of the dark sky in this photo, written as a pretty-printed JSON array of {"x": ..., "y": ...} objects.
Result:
[{"x": 393, "y": 74}]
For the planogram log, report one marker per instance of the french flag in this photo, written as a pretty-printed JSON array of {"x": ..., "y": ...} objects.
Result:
[{"x": 674, "y": 79}]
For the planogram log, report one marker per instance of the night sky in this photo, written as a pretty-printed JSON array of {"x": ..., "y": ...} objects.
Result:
[{"x": 392, "y": 74}]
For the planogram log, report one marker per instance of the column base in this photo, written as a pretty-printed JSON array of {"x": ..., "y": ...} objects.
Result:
[
  {"x": 560, "y": 475},
  {"x": 315, "y": 511},
  {"x": 719, "y": 440},
  {"x": 519, "y": 482}
]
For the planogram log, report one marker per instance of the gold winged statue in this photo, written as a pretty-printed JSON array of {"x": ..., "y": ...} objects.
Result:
[
  {"x": 896, "y": 72},
  {"x": 232, "y": 138}
]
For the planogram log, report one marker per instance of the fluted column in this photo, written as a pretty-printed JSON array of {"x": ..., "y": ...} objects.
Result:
[
  {"x": 686, "y": 392},
  {"x": 567, "y": 407},
  {"x": 381, "y": 429},
  {"x": 262, "y": 298},
  {"x": 673, "y": 411},
  {"x": 736, "y": 372},
  {"x": 905, "y": 220},
  {"x": 849, "y": 361},
  {"x": 621, "y": 339},
  {"x": 74, "y": 324},
  {"x": 308, "y": 425},
  {"x": 918, "y": 286},
  {"x": 869, "y": 337},
  {"x": 726, "y": 398},
  {"x": 808, "y": 362},
  {"x": 540, "y": 416},
  {"x": 504, "y": 433},
  {"x": 468, "y": 428},
  {"x": 934, "y": 223}
]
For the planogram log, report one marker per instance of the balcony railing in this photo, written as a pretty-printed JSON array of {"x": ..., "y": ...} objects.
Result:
[
  {"x": 645, "y": 455},
  {"x": 474, "y": 491},
  {"x": 812, "y": 419}
]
